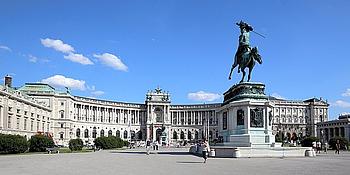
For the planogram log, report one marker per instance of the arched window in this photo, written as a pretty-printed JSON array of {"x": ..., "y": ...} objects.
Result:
[
  {"x": 196, "y": 135},
  {"x": 175, "y": 135},
  {"x": 109, "y": 133},
  {"x": 78, "y": 133},
  {"x": 117, "y": 134},
  {"x": 139, "y": 135},
  {"x": 132, "y": 134},
  {"x": 189, "y": 135},
  {"x": 86, "y": 133},
  {"x": 182, "y": 135},
  {"x": 62, "y": 114},
  {"x": 125, "y": 134},
  {"x": 94, "y": 133},
  {"x": 102, "y": 133}
]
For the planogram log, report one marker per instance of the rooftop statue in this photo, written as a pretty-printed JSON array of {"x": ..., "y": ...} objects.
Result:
[{"x": 245, "y": 55}]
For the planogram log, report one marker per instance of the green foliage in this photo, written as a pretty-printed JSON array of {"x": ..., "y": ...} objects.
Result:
[
  {"x": 39, "y": 143},
  {"x": 278, "y": 138},
  {"x": 343, "y": 142},
  {"x": 307, "y": 141},
  {"x": 12, "y": 144},
  {"x": 76, "y": 144},
  {"x": 109, "y": 142}
]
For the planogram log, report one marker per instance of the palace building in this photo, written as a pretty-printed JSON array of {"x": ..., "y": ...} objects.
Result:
[{"x": 38, "y": 107}]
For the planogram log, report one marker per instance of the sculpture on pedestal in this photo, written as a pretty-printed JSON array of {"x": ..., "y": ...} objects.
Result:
[{"x": 245, "y": 55}]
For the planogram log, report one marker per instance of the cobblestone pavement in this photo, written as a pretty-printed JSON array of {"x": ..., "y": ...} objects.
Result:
[{"x": 168, "y": 162}]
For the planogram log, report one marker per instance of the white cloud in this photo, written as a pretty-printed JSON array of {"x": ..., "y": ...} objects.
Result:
[
  {"x": 346, "y": 93},
  {"x": 276, "y": 95},
  {"x": 5, "y": 48},
  {"x": 112, "y": 61},
  {"x": 342, "y": 104},
  {"x": 32, "y": 58},
  {"x": 97, "y": 93},
  {"x": 57, "y": 45},
  {"x": 62, "y": 81},
  {"x": 203, "y": 96},
  {"x": 78, "y": 58}
]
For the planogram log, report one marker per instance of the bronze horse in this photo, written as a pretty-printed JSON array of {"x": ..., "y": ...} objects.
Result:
[{"x": 246, "y": 60}]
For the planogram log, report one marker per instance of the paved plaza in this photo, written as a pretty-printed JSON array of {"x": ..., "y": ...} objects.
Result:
[{"x": 167, "y": 161}]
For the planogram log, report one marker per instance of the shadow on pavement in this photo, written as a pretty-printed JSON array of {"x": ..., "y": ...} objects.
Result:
[
  {"x": 190, "y": 162},
  {"x": 152, "y": 152}
]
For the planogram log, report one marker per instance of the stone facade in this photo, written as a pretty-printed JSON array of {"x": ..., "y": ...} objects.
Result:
[
  {"x": 67, "y": 116},
  {"x": 334, "y": 128},
  {"x": 23, "y": 115}
]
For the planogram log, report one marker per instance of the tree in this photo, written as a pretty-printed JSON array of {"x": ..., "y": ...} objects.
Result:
[
  {"x": 343, "y": 142},
  {"x": 39, "y": 143},
  {"x": 76, "y": 144},
  {"x": 12, "y": 144}
]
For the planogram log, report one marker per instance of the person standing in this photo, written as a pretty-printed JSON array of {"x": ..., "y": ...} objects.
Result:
[
  {"x": 318, "y": 147},
  {"x": 205, "y": 150},
  {"x": 148, "y": 146},
  {"x": 325, "y": 147},
  {"x": 337, "y": 147}
]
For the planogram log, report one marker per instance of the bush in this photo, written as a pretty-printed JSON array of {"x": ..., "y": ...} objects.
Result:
[
  {"x": 307, "y": 141},
  {"x": 343, "y": 142},
  {"x": 109, "y": 142},
  {"x": 39, "y": 143},
  {"x": 76, "y": 144},
  {"x": 12, "y": 144}
]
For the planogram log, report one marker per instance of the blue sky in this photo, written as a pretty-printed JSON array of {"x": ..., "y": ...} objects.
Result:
[{"x": 118, "y": 50}]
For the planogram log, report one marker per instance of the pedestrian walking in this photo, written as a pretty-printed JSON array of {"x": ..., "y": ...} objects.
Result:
[
  {"x": 337, "y": 147},
  {"x": 205, "y": 150}
]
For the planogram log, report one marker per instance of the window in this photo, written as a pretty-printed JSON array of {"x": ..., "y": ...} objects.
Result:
[
  {"x": 109, "y": 133},
  {"x": 37, "y": 126},
  {"x": 18, "y": 110},
  {"x": 48, "y": 127},
  {"x": 117, "y": 134},
  {"x": 25, "y": 112},
  {"x": 62, "y": 125},
  {"x": 62, "y": 114},
  {"x": 43, "y": 127},
  {"x": 224, "y": 120},
  {"x": 77, "y": 133},
  {"x": 25, "y": 124},
  {"x": 86, "y": 133},
  {"x": 10, "y": 108},
  {"x": 102, "y": 133},
  {"x": 17, "y": 126},
  {"x": 125, "y": 134},
  {"x": 62, "y": 103},
  {"x": 61, "y": 135},
  {"x": 9, "y": 122},
  {"x": 94, "y": 132},
  {"x": 31, "y": 125}
]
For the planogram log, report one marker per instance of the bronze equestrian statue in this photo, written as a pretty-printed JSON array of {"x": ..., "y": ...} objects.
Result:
[{"x": 245, "y": 55}]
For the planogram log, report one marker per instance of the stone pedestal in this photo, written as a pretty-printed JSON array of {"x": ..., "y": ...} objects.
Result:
[{"x": 244, "y": 118}]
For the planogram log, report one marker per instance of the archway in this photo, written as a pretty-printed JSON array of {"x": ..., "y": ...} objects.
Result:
[
  {"x": 158, "y": 134},
  {"x": 102, "y": 133},
  {"x": 189, "y": 135},
  {"x": 117, "y": 134},
  {"x": 175, "y": 135},
  {"x": 182, "y": 135}
]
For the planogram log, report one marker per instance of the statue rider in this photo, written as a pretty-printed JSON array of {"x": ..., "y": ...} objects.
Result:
[{"x": 244, "y": 45}]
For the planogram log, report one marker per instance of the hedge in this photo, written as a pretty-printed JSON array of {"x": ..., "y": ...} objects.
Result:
[
  {"x": 39, "y": 143},
  {"x": 12, "y": 144},
  {"x": 76, "y": 144},
  {"x": 307, "y": 141},
  {"x": 109, "y": 142}
]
